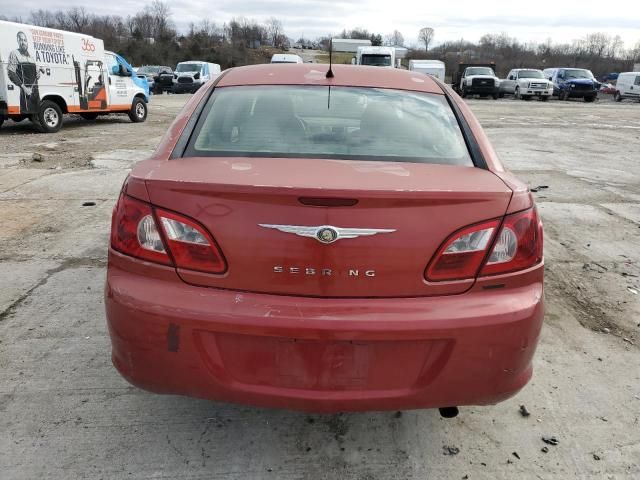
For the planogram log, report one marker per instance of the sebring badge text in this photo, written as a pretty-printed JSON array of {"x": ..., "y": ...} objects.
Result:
[{"x": 323, "y": 272}]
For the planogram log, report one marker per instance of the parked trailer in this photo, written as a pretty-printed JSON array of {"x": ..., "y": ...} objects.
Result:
[
  {"x": 45, "y": 73},
  {"x": 435, "y": 68}
]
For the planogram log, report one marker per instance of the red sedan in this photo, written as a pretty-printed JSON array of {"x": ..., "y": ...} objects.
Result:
[{"x": 326, "y": 243}]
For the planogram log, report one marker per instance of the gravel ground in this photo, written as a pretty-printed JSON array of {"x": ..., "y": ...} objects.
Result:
[{"x": 65, "y": 413}]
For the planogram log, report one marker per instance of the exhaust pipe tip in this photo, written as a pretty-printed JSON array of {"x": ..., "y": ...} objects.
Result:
[{"x": 449, "y": 412}]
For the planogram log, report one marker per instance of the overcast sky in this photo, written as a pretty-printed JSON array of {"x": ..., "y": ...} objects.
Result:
[{"x": 451, "y": 19}]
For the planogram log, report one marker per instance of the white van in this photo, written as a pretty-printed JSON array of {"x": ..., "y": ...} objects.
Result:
[
  {"x": 286, "y": 58},
  {"x": 627, "y": 86},
  {"x": 45, "y": 73},
  {"x": 190, "y": 76},
  {"x": 428, "y": 67}
]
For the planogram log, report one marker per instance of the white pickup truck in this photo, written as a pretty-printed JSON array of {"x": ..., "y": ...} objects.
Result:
[
  {"x": 479, "y": 81},
  {"x": 526, "y": 83}
]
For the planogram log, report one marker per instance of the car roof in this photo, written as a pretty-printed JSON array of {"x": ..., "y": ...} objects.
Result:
[{"x": 344, "y": 76}]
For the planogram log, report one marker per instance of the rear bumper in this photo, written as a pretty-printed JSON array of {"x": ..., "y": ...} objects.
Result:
[{"x": 321, "y": 354}]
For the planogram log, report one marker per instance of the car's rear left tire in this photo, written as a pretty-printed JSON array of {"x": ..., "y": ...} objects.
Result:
[
  {"x": 49, "y": 117},
  {"x": 138, "y": 112}
]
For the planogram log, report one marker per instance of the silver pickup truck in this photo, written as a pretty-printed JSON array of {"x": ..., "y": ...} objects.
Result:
[{"x": 526, "y": 83}]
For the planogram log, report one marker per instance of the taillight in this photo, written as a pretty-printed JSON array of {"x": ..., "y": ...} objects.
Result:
[
  {"x": 134, "y": 231},
  {"x": 478, "y": 250},
  {"x": 462, "y": 254},
  {"x": 182, "y": 242},
  {"x": 518, "y": 246},
  {"x": 190, "y": 244}
]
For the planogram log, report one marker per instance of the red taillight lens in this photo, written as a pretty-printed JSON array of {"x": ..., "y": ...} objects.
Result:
[
  {"x": 134, "y": 232},
  {"x": 462, "y": 254},
  {"x": 190, "y": 244},
  {"x": 518, "y": 246}
]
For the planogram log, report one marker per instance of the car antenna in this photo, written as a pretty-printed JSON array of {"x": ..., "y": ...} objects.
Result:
[{"x": 330, "y": 72}]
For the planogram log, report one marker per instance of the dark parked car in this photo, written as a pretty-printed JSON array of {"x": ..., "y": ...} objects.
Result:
[
  {"x": 326, "y": 244},
  {"x": 160, "y": 78},
  {"x": 573, "y": 83}
]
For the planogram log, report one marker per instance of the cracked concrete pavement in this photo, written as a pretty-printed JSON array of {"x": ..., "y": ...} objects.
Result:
[{"x": 65, "y": 412}]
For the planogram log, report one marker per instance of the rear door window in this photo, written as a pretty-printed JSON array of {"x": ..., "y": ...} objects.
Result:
[
  {"x": 637, "y": 81},
  {"x": 349, "y": 123}
]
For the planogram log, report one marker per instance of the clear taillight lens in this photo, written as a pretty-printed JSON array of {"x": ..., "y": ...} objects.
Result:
[
  {"x": 505, "y": 248},
  {"x": 149, "y": 236}
]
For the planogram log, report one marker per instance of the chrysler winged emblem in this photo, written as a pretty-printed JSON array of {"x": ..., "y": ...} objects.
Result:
[{"x": 327, "y": 233}]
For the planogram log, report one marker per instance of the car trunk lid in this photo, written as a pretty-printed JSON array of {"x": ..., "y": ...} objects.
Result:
[{"x": 251, "y": 205}]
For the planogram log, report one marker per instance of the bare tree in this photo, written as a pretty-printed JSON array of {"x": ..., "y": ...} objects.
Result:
[
  {"x": 274, "y": 30},
  {"x": 78, "y": 19},
  {"x": 395, "y": 39},
  {"x": 426, "y": 36}
]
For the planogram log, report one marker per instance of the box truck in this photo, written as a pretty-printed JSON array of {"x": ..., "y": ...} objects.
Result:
[
  {"x": 428, "y": 67},
  {"x": 375, "y": 56},
  {"x": 46, "y": 73}
]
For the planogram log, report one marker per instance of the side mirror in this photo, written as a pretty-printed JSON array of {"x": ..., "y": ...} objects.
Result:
[
  {"x": 115, "y": 70},
  {"x": 511, "y": 77},
  {"x": 197, "y": 76},
  {"x": 353, "y": 60}
]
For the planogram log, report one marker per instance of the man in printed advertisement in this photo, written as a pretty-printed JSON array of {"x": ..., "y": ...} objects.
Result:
[{"x": 23, "y": 73}]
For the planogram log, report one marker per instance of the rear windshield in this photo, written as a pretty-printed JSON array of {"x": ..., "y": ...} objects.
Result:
[{"x": 349, "y": 123}]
